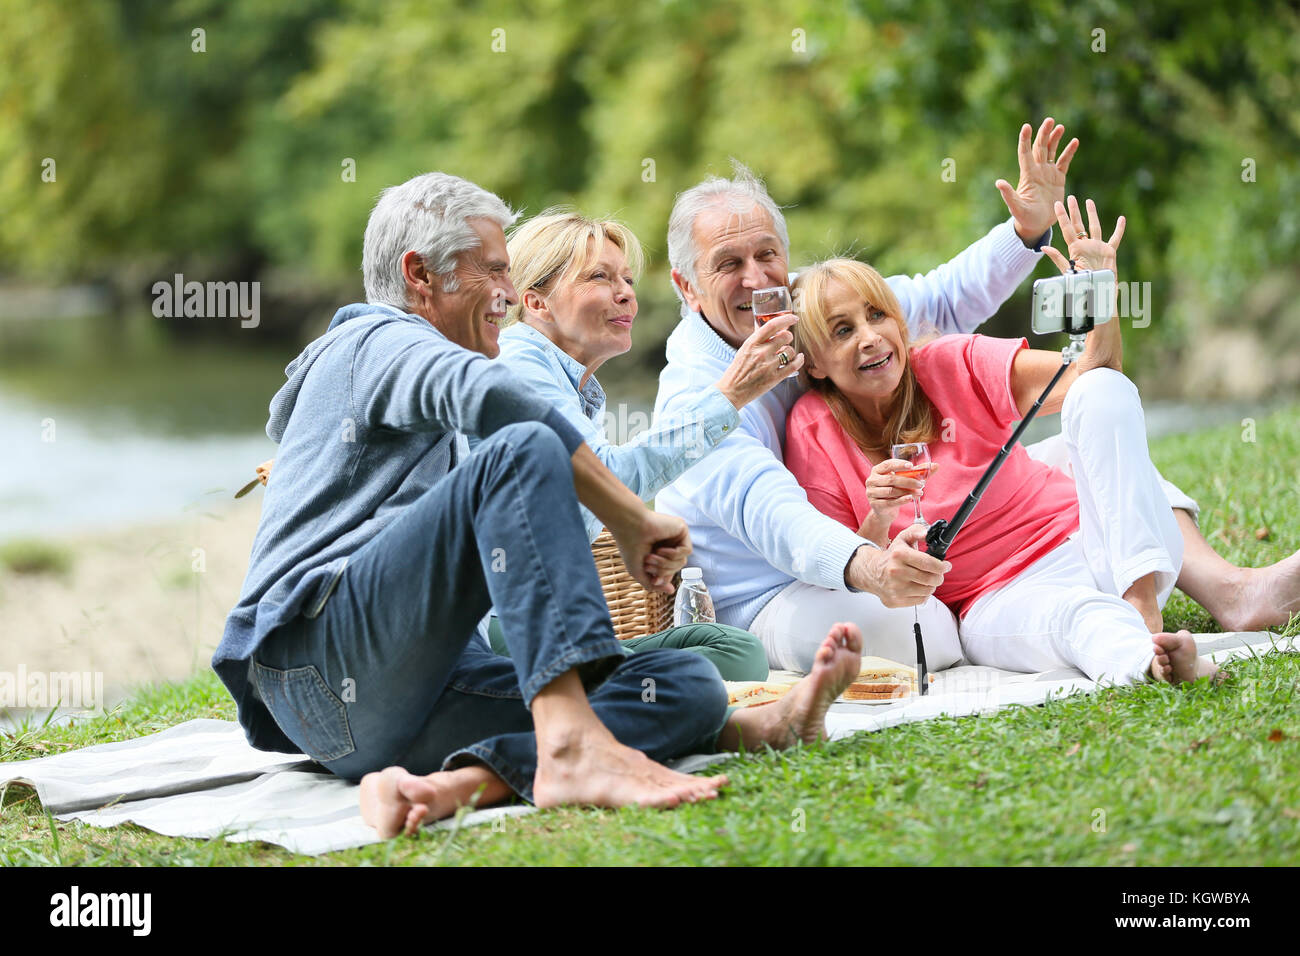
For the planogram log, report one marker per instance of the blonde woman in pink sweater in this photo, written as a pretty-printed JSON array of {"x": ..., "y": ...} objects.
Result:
[{"x": 1048, "y": 572}]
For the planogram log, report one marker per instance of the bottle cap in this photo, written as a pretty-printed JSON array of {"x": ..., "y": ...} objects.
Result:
[{"x": 692, "y": 573}]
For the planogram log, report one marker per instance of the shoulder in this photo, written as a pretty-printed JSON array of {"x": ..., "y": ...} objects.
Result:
[
  {"x": 812, "y": 425},
  {"x": 810, "y": 410},
  {"x": 964, "y": 374},
  {"x": 521, "y": 341},
  {"x": 528, "y": 354},
  {"x": 377, "y": 339},
  {"x": 942, "y": 348},
  {"x": 973, "y": 353}
]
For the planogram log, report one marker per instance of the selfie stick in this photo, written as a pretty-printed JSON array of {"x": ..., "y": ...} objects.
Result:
[{"x": 940, "y": 535}]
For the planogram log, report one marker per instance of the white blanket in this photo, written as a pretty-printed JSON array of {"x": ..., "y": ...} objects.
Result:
[{"x": 201, "y": 779}]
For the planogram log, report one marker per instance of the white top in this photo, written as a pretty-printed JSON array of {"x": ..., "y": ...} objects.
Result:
[{"x": 751, "y": 525}]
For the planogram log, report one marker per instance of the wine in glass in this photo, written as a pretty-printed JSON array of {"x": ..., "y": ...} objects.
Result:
[
  {"x": 918, "y": 454},
  {"x": 770, "y": 302}
]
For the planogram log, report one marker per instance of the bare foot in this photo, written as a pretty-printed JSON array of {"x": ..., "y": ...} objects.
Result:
[
  {"x": 590, "y": 768},
  {"x": 1264, "y": 597},
  {"x": 1142, "y": 595},
  {"x": 393, "y": 799},
  {"x": 1176, "y": 660},
  {"x": 801, "y": 714}
]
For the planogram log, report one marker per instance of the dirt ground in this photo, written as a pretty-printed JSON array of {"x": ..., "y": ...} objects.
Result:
[{"x": 145, "y": 603}]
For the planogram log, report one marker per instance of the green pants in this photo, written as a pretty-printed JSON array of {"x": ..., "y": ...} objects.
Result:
[{"x": 736, "y": 653}]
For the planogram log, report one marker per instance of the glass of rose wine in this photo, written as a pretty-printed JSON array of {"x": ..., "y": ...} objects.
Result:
[
  {"x": 918, "y": 454},
  {"x": 770, "y": 302}
]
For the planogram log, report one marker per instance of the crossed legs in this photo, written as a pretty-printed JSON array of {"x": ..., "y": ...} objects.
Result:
[{"x": 395, "y": 800}]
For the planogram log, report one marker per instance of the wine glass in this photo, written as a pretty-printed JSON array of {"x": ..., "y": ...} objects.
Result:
[
  {"x": 918, "y": 454},
  {"x": 770, "y": 302}
]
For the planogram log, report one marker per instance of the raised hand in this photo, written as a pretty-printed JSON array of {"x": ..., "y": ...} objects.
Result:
[
  {"x": 1086, "y": 247},
  {"x": 1105, "y": 345},
  {"x": 1042, "y": 179}
]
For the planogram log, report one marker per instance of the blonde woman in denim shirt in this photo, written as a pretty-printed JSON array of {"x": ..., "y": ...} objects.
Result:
[{"x": 576, "y": 280}]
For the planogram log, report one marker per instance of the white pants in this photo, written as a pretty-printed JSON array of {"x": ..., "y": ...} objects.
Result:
[
  {"x": 793, "y": 624},
  {"x": 1067, "y": 608}
]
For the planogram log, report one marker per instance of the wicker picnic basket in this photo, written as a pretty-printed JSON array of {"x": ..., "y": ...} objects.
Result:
[{"x": 635, "y": 610}]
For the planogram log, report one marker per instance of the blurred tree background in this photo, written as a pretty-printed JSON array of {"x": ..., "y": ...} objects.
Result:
[{"x": 216, "y": 138}]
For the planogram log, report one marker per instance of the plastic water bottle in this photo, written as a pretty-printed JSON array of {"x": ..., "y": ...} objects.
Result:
[{"x": 693, "y": 605}]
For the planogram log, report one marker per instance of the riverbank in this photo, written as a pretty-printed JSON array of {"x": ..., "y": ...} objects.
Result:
[{"x": 142, "y": 604}]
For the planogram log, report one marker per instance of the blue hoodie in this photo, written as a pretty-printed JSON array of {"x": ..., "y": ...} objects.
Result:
[{"x": 366, "y": 423}]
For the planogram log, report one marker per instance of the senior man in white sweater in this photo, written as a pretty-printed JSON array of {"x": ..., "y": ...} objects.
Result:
[{"x": 774, "y": 564}]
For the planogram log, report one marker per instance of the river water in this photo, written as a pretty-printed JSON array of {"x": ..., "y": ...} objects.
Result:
[
  {"x": 70, "y": 472},
  {"x": 73, "y": 469}
]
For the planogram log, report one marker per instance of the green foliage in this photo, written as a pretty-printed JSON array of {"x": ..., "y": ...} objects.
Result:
[
  {"x": 848, "y": 110},
  {"x": 31, "y": 556}
]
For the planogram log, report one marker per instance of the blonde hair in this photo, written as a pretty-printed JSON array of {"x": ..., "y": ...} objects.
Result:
[
  {"x": 560, "y": 242},
  {"x": 913, "y": 418}
]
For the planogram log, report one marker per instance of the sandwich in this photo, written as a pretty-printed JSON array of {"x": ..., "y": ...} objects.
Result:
[
  {"x": 882, "y": 679},
  {"x": 752, "y": 693}
]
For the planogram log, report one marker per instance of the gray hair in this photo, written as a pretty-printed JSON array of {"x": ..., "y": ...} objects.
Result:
[
  {"x": 715, "y": 191},
  {"x": 429, "y": 215}
]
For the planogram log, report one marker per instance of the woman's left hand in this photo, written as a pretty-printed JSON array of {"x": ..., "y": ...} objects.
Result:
[
  {"x": 1105, "y": 344},
  {"x": 1086, "y": 247}
]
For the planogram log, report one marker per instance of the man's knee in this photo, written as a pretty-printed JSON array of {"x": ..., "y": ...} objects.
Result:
[
  {"x": 530, "y": 445},
  {"x": 688, "y": 681},
  {"x": 533, "y": 437}
]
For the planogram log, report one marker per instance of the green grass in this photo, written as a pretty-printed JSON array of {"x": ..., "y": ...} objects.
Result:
[
  {"x": 1148, "y": 775},
  {"x": 30, "y": 556}
]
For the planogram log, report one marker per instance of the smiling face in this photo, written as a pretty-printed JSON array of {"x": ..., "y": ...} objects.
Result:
[
  {"x": 470, "y": 315},
  {"x": 865, "y": 354},
  {"x": 589, "y": 313},
  {"x": 739, "y": 251}
]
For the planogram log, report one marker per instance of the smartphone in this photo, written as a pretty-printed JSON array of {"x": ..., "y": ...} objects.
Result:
[{"x": 1074, "y": 302}]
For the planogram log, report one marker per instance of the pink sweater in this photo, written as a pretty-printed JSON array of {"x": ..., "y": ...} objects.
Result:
[{"x": 1027, "y": 510}]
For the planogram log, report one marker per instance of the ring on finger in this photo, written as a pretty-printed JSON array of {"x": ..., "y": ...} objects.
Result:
[
  {"x": 782, "y": 359},
  {"x": 1081, "y": 235}
]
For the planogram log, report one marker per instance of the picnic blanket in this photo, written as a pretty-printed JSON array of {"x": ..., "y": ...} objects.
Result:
[{"x": 202, "y": 779}]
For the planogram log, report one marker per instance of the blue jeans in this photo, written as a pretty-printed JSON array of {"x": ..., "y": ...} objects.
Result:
[{"x": 391, "y": 671}]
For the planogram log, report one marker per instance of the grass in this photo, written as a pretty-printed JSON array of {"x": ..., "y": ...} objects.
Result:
[
  {"x": 31, "y": 556},
  {"x": 1149, "y": 775}
]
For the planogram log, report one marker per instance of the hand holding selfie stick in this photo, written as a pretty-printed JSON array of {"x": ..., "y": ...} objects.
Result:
[{"x": 1092, "y": 291}]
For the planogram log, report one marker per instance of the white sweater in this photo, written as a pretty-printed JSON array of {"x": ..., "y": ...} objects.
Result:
[{"x": 751, "y": 525}]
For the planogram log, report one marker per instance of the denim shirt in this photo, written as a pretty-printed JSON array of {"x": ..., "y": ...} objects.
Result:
[{"x": 651, "y": 460}]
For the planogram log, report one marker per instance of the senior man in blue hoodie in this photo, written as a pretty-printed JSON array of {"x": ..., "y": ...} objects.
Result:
[{"x": 381, "y": 545}]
